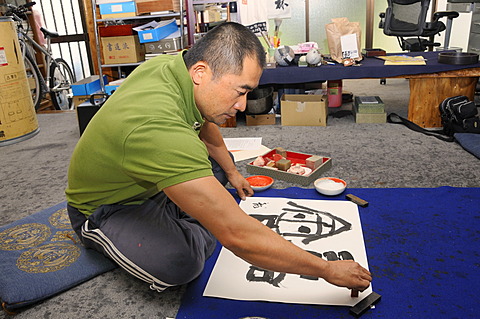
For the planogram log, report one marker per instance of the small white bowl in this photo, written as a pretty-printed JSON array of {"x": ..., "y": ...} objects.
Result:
[
  {"x": 330, "y": 186},
  {"x": 260, "y": 182}
]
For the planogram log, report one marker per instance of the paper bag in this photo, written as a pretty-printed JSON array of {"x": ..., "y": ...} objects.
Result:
[{"x": 344, "y": 39}]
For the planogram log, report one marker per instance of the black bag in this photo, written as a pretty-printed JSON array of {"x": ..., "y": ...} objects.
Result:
[{"x": 459, "y": 115}]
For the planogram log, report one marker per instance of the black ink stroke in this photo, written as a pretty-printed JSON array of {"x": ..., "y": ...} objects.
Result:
[
  {"x": 310, "y": 224},
  {"x": 262, "y": 275},
  {"x": 256, "y": 274}
]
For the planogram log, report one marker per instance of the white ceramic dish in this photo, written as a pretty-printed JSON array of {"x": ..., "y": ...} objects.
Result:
[
  {"x": 330, "y": 186},
  {"x": 260, "y": 182}
]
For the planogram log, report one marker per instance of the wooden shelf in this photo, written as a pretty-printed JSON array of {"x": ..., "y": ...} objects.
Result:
[{"x": 153, "y": 16}]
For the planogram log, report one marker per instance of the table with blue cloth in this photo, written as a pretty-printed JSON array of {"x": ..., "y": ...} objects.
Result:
[{"x": 430, "y": 84}]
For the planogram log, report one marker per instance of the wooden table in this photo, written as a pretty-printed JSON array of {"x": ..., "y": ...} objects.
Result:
[
  {"x": 427, "y": 91},
  {"x": 429, "y": 84}
]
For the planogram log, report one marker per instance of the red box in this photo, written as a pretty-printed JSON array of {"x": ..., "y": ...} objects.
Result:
[{"x": 115, "y": 30}]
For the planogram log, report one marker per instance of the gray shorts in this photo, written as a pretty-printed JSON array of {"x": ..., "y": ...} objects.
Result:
[{"x": 155, "y": 241}]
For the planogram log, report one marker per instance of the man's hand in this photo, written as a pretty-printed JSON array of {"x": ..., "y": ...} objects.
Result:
[
  {"x": 239, "y": 182},
  {"x": 348, "y": 273}
]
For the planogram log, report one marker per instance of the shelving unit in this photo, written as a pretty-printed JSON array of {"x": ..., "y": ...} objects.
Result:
[
  {"x": 180, "y": 14},
  {"x": 474, "y": 37},
  {"x": 191, "y": 17}
]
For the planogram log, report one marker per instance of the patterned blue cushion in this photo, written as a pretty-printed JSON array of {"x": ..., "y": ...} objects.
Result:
[{"x": 41, "y": 256}]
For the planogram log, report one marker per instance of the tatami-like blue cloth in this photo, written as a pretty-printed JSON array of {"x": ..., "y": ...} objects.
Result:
[
  {"x": 41, "y": 256},
  {"x": 423, "y": 248}
]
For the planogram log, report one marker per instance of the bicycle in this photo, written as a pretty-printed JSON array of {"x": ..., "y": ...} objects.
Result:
[{"x": 59, "y": 75}]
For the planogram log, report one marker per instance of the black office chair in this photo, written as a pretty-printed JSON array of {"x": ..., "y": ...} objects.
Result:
[{"x": 407, "y": 18}]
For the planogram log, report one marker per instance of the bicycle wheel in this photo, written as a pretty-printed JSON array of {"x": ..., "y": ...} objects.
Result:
[
  {"x": 61, "y": 80},
  {"x": 34, "y": 82}
]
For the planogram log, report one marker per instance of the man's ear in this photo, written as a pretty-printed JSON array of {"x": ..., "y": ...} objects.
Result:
[{"x": 199, "y": 71}]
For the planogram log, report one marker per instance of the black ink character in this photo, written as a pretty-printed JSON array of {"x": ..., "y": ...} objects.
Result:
[
  {"x": 256, "y": 274},
  {"x": 300, "y": 222},
  {"x": 258, "y": 205},
  {"x": 305, "y": 222},
  {"x": 262, "y": 275},
  {"x": 330, "y": 256},
  {"x": 280, "y": 4}
]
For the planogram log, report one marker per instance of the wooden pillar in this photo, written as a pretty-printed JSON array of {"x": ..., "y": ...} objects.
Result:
[
  {"x": 426, "y": 94},
  {"x": 89, "y": 22}
]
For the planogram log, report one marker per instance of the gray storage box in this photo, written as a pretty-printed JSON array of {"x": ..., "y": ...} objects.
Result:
[{"x": 165, "y": 45}]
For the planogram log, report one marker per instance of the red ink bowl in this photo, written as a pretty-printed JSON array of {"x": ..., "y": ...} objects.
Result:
[
  {"x": 260, "y": 182},
  {"x": 330, "y": 186}
]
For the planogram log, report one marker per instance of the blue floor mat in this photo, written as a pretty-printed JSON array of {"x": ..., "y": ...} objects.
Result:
[{"x": 423, "y": 247}]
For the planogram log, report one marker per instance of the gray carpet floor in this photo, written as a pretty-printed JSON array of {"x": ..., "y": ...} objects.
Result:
[{"x": 34, "y": 176}]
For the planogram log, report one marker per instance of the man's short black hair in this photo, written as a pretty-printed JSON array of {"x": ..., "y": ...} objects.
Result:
[{"x": 225, "y": 47}]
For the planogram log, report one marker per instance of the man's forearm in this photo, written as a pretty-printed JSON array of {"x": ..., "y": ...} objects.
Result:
[
  {"x": 207, "y": 201},
  {"x": 213, "y": 139}
]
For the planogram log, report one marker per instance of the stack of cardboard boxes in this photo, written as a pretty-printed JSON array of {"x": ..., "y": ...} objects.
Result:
[{"x": 369, "y": 109}]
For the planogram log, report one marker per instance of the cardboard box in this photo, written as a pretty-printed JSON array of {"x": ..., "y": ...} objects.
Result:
[
  {"x": 88, "y": 85},
  {"x": 117, "y": 8},
  {"x": 156, "y": 31},
  {"x": 369, "y": 104},
  {"x": 119, "y": 15},
  {"x": 110, "y": 1},
  {"x": 210, "y": 14},
  {"x": 304, "y": 110},
  {"x": 149, "y": 6},
  {"x": 295, "y": 157},
  {"x": 261, "y": 119},
  {"x": 79, "y": 99},
  {"x": 369, "y": 117},
  {"x": 125, "y": 49}
]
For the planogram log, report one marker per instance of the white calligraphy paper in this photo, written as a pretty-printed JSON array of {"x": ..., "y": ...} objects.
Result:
[
  {"x": 327, "y": 228},
  {"x": 280, "y": 9}
]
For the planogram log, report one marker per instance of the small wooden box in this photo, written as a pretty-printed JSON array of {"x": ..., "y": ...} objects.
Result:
[{"x": 149, "y": 6}]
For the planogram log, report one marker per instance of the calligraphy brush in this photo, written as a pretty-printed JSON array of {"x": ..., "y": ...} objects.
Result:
[{"x": 278, "y": 22}]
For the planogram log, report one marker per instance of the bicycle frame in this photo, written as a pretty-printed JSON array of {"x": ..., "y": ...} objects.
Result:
[
  {"x": 59, "y": 76},
  {"x": 24, "y": 37}
]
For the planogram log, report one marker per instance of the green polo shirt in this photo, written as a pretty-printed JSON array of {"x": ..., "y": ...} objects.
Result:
[{"x": 141, "y": 140}]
